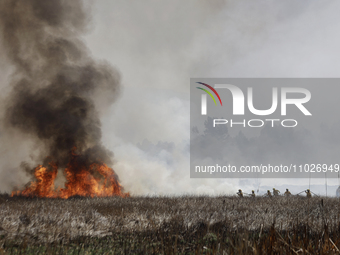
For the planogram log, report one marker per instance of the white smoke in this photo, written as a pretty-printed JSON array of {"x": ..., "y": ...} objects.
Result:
[{"x": 159, "y": 46}]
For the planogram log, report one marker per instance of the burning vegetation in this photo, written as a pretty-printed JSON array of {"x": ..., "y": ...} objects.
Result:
[
  {"x": 58, "y": 93},
  {"x": 95, "y": 180}
]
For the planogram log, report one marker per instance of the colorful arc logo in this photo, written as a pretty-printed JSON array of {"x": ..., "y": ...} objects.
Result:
[{"x": 209, "y": 93}]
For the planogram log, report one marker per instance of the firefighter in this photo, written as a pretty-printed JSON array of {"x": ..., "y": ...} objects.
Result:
[
  {"x": 239, "y": 193},
  {"x": 252, "y": 193},
  {"x": 287, "y": 193},
  {"x": 268, "y": 193},
  {"x": 309, "y": 194},
  {"x": 276, "y": 192}
]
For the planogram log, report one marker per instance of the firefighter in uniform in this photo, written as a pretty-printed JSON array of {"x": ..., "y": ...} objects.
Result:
[
  {"x": 252, "y": 193},
  {"x": 276, "y": 192},
  {"x": 309, "y": 194},
  {"x": 287, "y": 193},
  {"x": 239, "y": 193},
  {"x": 268, "y": 193}
]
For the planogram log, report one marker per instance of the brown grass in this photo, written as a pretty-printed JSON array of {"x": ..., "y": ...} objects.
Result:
[{"x": 171, "y": 225}]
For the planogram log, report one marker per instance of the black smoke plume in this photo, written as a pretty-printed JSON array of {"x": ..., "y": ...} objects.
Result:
[{"x": 56, "y": 82}]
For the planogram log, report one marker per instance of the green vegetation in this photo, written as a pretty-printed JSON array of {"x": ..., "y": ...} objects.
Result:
[{"x": 170, "y": 225}]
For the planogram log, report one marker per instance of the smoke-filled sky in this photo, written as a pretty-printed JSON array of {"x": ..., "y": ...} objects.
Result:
[{"x": 157, "y": 46}]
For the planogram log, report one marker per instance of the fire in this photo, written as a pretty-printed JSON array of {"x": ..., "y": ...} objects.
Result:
[{"x": 94, "y": 180}]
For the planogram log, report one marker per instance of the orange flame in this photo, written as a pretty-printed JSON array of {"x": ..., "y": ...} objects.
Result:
[{"x": 97, "y": 180}]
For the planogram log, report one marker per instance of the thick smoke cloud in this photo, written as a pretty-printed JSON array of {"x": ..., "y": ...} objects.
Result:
[{"x": 55, "y": 85}]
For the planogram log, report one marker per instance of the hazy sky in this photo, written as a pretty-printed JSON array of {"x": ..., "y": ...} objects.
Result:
[{"x": 159, "y": 45}]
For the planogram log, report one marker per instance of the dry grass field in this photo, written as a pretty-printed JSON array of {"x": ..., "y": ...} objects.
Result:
[{"x": 169, "y": 225}]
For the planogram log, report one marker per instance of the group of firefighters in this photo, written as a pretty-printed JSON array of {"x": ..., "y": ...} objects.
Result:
[{"x": 275, "y": 193}]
